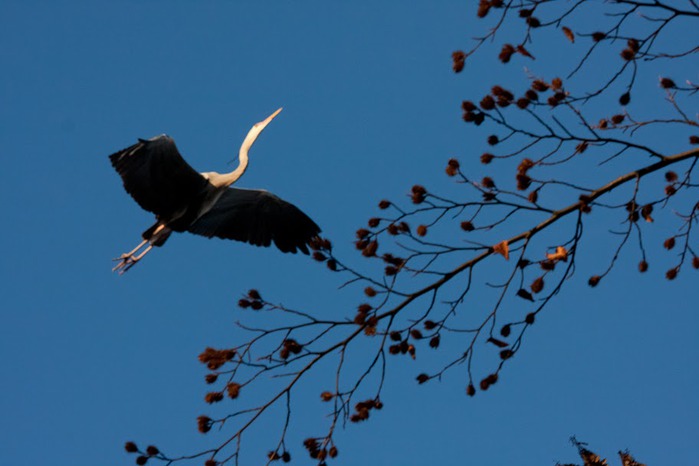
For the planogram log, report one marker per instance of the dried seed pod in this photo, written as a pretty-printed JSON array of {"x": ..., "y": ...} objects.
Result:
[
  {"x": 628, "y": 54},
  {"x": 293, "y": 346},
  {"x": 533, "y": 196},
  {"x": 523, "y": 182},
  {"x": 233, "y": 390},
  {"x": 370, "y": 249},
  {"x": 522, "y": 293},
  {"x": 360, "y": 318},
  {"x": 483, "y": 8},
  {"x": 547, "y": 265},
  {"x": 522, "y": 103},
  {"x": 130, "y": 447},
  {"x": 539, "y": 85},
  {"x": 486, "y": 158},
  {"x": 458, "y": 61},
  {"x": 256, "y": 305},
  {"x": 533, "y": 22},
  {"x": 213, "y": 397},
  {"x": 390, "y": 271},
  {"x": 204, "y": 424},
  {"x": 487, "y": 103},
  {"x": 506, "y": 53},
  {"x": 418, "y": 194},
  {"x": 618, "y": 119},
  {"x": 667, "y": 83},
  {"x": 243, "y": 303},
  {"x": 452, "y": 167},
  {"x": 468, "y": 106},
  {"x": 467, "y": 226},
  {"x": 364, "y": 308},
  {"x": 487, "y": 182}
]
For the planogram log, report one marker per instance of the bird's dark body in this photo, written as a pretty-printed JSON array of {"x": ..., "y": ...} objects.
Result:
[{"x": 160, "y": 181}]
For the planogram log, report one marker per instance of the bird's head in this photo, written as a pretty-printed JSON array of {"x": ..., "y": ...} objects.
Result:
[{"x": 261, "y": 125}]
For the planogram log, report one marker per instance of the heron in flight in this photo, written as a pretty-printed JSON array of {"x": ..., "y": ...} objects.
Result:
[{"x": 160, "y": 181}]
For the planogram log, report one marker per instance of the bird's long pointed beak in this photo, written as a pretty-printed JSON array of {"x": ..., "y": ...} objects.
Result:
[{"x": 261, "y": 125}]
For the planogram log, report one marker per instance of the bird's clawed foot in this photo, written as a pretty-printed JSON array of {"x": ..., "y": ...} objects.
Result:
[
  {"x": 129, "y": 259},
  {"x": 126, "y": 261}
]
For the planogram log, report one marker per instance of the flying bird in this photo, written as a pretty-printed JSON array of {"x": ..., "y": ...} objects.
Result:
[{"x": 160, "y": 181}]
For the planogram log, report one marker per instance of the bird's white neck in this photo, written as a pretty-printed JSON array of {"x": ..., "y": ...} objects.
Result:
[{"x": 226, "y": 179}]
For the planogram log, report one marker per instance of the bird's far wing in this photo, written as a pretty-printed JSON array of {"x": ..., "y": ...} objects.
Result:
[
  {"x": 259, "y": 218},
  {"x": 156, "y": 175}
]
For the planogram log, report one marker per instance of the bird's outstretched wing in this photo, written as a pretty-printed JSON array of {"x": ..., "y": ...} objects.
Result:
[
  {"x": 259, "y": 218},
  {"x": 157, "y": 177}
]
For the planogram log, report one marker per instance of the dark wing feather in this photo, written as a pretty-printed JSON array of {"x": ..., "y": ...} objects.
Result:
[
  {"x": 157, "y": 177},
  {"x": 259, "y": 218}
]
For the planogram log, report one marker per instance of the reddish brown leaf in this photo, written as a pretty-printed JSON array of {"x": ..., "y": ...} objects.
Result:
[
  {"x": 569, "y": 34},
  {"x": 502, "y": 248}
]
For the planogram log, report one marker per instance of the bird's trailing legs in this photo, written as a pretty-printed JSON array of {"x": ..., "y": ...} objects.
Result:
[{"x": 129, "y": 259}]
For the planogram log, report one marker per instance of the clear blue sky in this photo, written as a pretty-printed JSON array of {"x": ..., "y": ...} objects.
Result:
[{"x": 92, "y": 359}]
